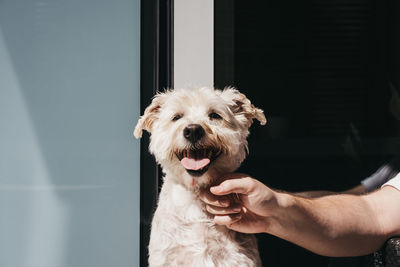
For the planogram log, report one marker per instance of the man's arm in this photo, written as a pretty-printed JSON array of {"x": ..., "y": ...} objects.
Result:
[
  {"x": 357, "y": 190},
  {"x": 337, "y": 225}
]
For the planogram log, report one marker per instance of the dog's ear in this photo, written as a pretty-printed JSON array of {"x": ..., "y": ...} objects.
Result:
[
  {"x": 150, "y": 116},
  {"x": 242, "y": 108}
]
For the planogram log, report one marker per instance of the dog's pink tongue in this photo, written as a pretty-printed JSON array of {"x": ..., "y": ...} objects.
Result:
[{"x": 194, "y": 164}]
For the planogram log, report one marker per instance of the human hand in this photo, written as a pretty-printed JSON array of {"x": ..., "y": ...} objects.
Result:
[{"x": 249, "y": 212}]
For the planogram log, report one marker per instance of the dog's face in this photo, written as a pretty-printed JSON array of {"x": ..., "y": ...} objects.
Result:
[{"x": 198, "y": 134}]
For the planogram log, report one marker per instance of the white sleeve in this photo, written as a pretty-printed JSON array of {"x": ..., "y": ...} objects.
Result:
[{"x": 395, "y": 182}]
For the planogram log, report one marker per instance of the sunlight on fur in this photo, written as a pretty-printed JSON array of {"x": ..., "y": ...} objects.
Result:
[{"x": 196, "y": 135}]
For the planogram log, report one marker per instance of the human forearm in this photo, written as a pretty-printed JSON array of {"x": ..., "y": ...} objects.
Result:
[
  {"x": 314, "y": 194},
  {"x": 357, "y": 190},
  {"x": 342, "y": 225}
]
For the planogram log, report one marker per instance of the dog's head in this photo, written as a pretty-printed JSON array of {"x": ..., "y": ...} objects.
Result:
[{"x": 198, "y": 134}]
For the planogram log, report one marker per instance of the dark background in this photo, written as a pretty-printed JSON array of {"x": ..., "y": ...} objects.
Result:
[{"x": 321, "y": 71}]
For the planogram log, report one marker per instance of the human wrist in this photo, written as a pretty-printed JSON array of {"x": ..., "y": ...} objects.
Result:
[
  {"x": 284, "y": 200},
  {"x": 276, "y": 210}
]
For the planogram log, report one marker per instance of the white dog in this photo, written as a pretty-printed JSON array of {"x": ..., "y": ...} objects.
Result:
[{"x": 197, "y": 135}]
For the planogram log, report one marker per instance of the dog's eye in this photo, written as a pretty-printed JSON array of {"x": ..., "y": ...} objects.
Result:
[
  {"x": 176, "y": 117},
  {"x": 214, "y": 115}
]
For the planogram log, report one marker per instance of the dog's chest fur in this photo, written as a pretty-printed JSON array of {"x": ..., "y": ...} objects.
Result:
[{"x": 183, "y": 234}]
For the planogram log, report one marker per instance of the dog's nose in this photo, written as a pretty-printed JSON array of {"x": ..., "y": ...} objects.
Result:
[{"x": 193, "y": 132}]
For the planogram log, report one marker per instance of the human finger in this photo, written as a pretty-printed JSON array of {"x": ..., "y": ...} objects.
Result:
[
  {"x": 223, "y": 211},
  {"x": 213, "y": 200},
  {"x": 227, "y": 219},
  {"x": 240, "y": 186}
]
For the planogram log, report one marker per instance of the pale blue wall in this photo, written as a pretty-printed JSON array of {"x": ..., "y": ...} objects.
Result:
[{"x": 69, "y": 165}]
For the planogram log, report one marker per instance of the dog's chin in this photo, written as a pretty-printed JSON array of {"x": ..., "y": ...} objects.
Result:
[{"x": 198, "y": 173}]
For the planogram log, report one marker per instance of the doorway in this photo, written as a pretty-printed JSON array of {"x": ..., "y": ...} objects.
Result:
[{"x": 324, "y": 73}]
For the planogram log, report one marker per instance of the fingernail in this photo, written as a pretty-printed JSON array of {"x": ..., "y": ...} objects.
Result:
[
  {"x": 237, "y": 209},
  {"x": 216, "y": 189}
]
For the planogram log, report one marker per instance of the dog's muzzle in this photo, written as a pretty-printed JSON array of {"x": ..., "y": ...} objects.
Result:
[
  {"x": 193, "y": 133},
  {"x": 197, "y": 161}
]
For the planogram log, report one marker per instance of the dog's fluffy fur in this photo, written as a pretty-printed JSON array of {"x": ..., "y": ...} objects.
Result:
[{"x": 182, "y": 233}]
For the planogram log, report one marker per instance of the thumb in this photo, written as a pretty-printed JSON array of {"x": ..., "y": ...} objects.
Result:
[{"x": 240, "y": 186}]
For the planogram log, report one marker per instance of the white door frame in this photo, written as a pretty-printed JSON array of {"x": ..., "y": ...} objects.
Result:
[{"x": 193, "y": 43}]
